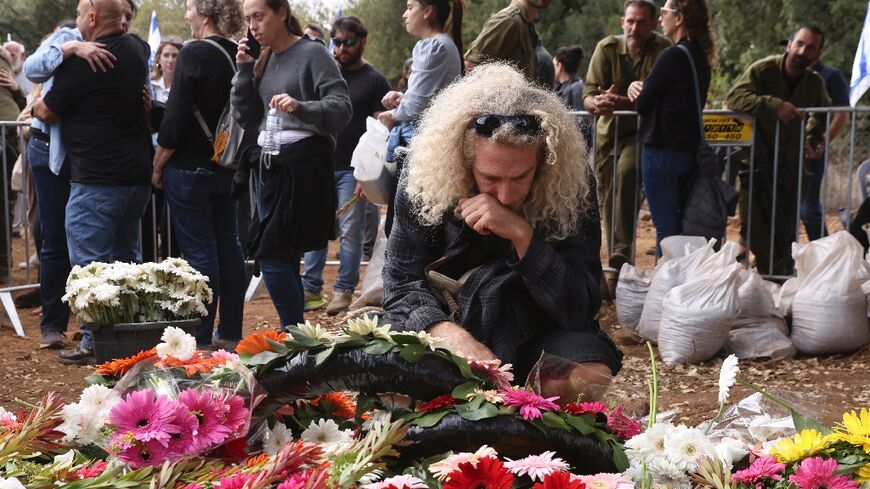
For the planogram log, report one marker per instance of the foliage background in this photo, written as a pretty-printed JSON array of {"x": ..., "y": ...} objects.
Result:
[{"x": 746, "y": 31}]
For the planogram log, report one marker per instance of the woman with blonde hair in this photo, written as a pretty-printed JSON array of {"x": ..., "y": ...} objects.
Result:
[
  {"x": 667, "y": 104},
  {"x": 163, "y": 68},
  {"x": 495, "y": 245},
  {"x": 197, "y": 190}
]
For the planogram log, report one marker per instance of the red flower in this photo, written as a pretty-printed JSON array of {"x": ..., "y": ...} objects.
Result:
[
  {"x": 621, "y": 425},
  {"x": 586, "y": 408},
  {"x": 439, "y": 402},
  {"x": 559, "y": 480},
  {"x": 489, "y": 473}
]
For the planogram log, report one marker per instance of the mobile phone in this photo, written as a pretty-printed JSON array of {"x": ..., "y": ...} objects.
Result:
[{"x": 254, "y": 47}]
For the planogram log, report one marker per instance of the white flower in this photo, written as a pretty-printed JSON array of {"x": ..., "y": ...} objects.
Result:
[
  {"x": 687, "y": 447},
  {"x": 649, "y": 444},
  {"x": 6, "y": 416},
  {"x": 77, "y": 425},
  {"x": 316, "y": 332},
  {"x": 99, "y": 400},
  {"x": 107, "y": 294},
  {"x": 432, "y": 342},
  {"x": 63, "y": 461},
  {"x": 537, "y": 466},
  {"x": 730, "y": 450},
  {"x": 275, "y": 438},
  {"x": 176, "y": 344},
  {"x": 325, "y": 431},
  {"x": 11, "y": 483},
  {"x": 727, "y": 377},
  {"x": 668, "y": 474},
  {"x": 443, "y": 468},
  {"x": 368, "y": 325}
]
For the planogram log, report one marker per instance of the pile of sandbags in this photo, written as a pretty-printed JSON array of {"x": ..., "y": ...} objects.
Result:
[
  {"x": 826, "y": 298},
  {"x": 760, "y": 330}
]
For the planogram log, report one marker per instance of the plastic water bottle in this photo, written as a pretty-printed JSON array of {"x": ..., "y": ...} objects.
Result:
[{"x": 272, "y": 135}]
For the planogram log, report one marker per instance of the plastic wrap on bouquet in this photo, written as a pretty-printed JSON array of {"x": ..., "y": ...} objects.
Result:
[
  {"x": 299, "y": 377},
  {"x": 167, "y": 409},
  {"x": 510, "y": 437}
]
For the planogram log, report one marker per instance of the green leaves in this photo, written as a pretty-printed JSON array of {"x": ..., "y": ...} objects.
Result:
[
  {"x": 485, "y": 411},
  {"x": 430, "y": 419},
  {"x": 413, "y": 353},
  {"x": 378, "y": 347},
  {"x": 462, "y": 391}
]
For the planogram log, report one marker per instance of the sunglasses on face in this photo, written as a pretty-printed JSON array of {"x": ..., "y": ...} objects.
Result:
[
  {"x": 487, "y": 125},
  {"x": 349, "y": 42}
]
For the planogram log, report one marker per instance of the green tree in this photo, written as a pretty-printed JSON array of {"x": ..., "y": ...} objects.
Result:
[{"x": 28, "y": 21}]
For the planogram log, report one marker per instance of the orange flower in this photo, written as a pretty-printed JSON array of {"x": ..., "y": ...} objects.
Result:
[
  {"x": 198, "y": 363},
  {"x": 257, "y": 343},
  {"x": 120, "y": 366},
  {"x": 257, "y": 460},
  {"x": 342, "y": 406}
]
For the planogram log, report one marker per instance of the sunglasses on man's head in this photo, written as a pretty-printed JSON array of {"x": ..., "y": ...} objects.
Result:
[
  {"x": 349, "y": 42},
  {"x": 487, "y": 125}
]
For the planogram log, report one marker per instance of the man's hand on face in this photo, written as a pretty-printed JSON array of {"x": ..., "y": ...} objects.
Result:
[
  {"x": 486, "y": 215},
  {"x": 461, "y": 342}
]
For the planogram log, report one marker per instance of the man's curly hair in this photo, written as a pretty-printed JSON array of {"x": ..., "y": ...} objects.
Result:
[{"x": 440, "y": 154}]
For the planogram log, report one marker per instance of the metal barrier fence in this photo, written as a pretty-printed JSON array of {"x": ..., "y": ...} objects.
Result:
[
  {"x": 734, "y": 136},
  {"x": 731, "y": 132}
]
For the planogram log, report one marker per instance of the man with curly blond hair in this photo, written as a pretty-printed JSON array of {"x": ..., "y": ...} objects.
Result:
[{"x": 496, "y": 242}]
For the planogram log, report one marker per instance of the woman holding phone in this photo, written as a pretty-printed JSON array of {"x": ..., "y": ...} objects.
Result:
[
  {"x": 197, "y": 190},
  {"x": 298, "y": 78}
]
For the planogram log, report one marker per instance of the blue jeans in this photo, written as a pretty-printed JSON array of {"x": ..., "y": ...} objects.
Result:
[
  {"x": 351, "y": 227},
  {"x": 664, "y": 175},
  {"x": 52, "y": 193},
  {"x": 204, "y": 222},
  {"x": 102, "y": 224},
  {"x": 811, "y": 207}
]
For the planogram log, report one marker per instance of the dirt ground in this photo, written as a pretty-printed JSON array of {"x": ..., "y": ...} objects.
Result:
[{"x": 834, "y": 383}]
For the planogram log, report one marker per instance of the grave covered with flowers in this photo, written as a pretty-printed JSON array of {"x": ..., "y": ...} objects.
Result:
[{"x": 368, "y": 407}]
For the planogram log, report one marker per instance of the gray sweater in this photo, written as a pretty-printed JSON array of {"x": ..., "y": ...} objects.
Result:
[{"x": 306, "y": 72}]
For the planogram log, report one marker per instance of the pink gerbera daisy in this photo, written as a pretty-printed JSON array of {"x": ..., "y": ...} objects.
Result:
[
  {"x": 606, "y": 481},
  {"x": 492, "y": 370},
  {"x": 144, "y": 454},
  {"x": 295, "y": 481},
  {"x": 236, "y": 416},
  {"x": 237, "y": 481},
  {"x": 530, "y": 404},
  {"x": 818, "y": 473},
  {"x": 767, "y": 467},
  {"x": 210, "y": 412},
  {"x": 185, "y": 440},
  {"x": 144, "y": 416},
  {"x": 537, "y": 466}
]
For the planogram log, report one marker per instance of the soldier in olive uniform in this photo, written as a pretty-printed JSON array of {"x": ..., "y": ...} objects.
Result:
[
  {"x": 616, "y": 62},
  {"x": 772, "y": 89}
]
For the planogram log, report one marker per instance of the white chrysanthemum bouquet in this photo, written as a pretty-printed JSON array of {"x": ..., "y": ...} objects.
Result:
[{"x": 112, "y": 293}]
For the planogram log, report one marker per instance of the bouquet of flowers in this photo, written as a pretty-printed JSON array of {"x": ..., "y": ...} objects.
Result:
[
  {"x": 172, "y": 402},
  {"x": 111, "y": 293}
]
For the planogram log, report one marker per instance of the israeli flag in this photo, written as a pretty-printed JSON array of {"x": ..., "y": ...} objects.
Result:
[
  {"x": 332, "y": 44},
  {"x": 860, "y": 69},
  {"x": 153, "y": 37}
]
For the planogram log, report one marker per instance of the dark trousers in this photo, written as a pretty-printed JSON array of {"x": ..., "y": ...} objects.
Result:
[{"x": 52, "y": 193}]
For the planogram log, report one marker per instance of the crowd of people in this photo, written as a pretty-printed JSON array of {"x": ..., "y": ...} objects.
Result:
[{"x": 493, "y": 226}]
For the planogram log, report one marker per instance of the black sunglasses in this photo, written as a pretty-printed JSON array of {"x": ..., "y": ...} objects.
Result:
[
  {"x": 349, "y": 42},
  {"x": 486, "y": 125}
]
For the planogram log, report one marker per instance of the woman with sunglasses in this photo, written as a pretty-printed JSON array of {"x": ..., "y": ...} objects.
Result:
[
  {"x": 436, "y": 61},
  {"x": 666, "y": 101},
  {"x": 295, "y": 75}
]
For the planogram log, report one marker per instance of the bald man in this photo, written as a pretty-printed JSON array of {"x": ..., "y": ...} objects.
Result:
[
  {"x": 107, "y": 145},
  {"x": 17, "y": 55}
]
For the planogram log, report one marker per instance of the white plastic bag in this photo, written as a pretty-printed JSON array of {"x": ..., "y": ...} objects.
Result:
[
  {"x": 829, "y": 312},
  {"x": 675, "y": 246},
  {"x": 697, "y": 316},
  {"x": 631, "y": 291},
  {"x": 756, "y": 300},
  {"x": 760, "y": 338},
  {"x": 369, "y": 162},
  {"x": 372, "y": 291},
  {"x": 668, "y": 275}
]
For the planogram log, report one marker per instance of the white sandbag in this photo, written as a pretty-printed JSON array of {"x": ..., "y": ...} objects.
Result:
[
  {"x": 675, "y": 246},
  {"x": 697, "y": 316},
  {"x": 631, "y": 290},
  {"x": 829, "y": 309},
  {"x": 760, "y": 338},
  {"x": 756, "y": 300},
  {"x": 372, "y": 292},
  {"x": 369, "y": 162},
  {"x": 667, "y": 276}
]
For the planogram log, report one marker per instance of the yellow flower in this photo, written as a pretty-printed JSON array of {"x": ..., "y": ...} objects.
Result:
[
  {"x": 855, "y": 429},
  {"x": 863, "y": 474},
  {"x": 804, "y": 444}
]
